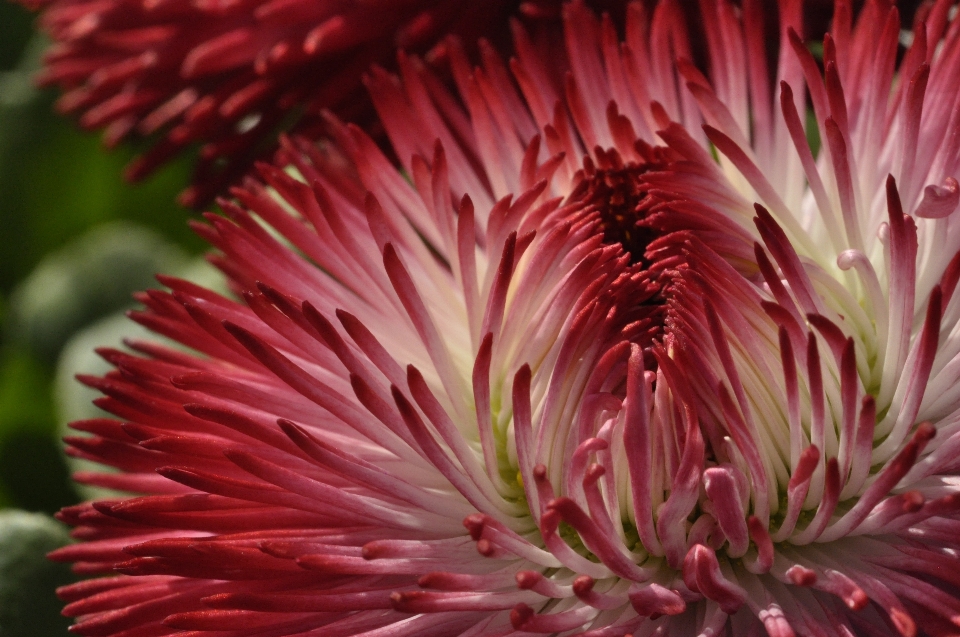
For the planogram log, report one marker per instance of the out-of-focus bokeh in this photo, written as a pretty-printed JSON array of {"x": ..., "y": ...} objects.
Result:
[{"x": 75, "y": 242}]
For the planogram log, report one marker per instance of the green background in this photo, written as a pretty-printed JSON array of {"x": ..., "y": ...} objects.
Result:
[
  {"x": 75, "y": 241},
  {"x": 56, "y": 185}
]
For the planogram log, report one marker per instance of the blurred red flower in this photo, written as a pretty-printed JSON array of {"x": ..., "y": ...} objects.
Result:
[{"x": 228, "y": 75}]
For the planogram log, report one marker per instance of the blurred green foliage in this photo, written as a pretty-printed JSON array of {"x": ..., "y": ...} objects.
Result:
[
  {"x": 75, "y": 242},
  {"x": 15, "y": 32},
  {"x": 28, "y": 605},
  {"x": 57, "y": 184}
]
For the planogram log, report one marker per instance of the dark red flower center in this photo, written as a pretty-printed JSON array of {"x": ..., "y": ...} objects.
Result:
[{"x": 618, "y": 193}]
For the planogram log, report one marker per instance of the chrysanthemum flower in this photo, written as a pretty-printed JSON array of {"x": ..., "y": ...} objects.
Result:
[
  {"x": 618, "y": 356},
  {"x": 229, "y": 75}
]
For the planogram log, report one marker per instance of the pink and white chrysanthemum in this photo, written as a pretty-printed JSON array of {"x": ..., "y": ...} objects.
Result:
[{"x": 618, "y": 356}]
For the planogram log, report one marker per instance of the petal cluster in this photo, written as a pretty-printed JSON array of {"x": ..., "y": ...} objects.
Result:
[
  {"x": 614, "y": 353},
  {"x": 228, "y": 75}
]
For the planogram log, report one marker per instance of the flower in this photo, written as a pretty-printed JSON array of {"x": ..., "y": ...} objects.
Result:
[
  {"x": 661, "y": 371},
  {"x": 229, "y": 75}
]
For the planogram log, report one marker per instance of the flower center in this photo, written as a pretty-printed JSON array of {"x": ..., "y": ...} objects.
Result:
[{"x": 617, "y": 192}]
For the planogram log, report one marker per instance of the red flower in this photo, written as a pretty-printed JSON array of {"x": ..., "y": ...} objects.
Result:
[
  {"x": 661, "y": 371},
  {"x": 229, "y": 75}
]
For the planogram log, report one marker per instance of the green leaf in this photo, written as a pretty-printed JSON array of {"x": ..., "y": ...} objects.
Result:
[
  {"x": 33, "y": 473},
  {"x": 15, "y": 31},
  {"x": 93, "y": 276},
  {"x": 28, "y": 604},
  {"x": 24, "y": 392}
]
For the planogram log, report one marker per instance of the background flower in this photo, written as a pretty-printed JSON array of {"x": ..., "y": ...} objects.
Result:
[
  {"x": 227, "y": 77},
  {"x": 718, "y": 415},
  {"x": 230, "y": 75}
]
